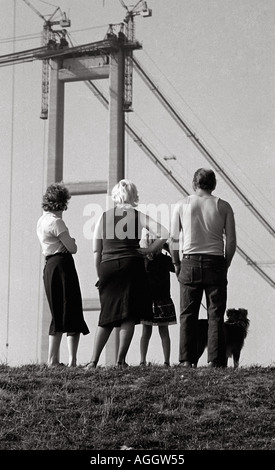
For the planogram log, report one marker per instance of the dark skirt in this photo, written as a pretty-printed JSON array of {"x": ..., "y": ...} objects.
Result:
[
  {"x": 164, "y": 313},
  {"x": 64, "y": 295},
  {"x": 124, "y": 292}
]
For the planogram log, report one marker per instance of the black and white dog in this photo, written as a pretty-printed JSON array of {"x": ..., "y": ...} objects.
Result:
[{"x": 235, "y": 327}]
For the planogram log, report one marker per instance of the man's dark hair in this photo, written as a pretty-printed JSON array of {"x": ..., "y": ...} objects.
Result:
[{"x": 204, "y": 179}]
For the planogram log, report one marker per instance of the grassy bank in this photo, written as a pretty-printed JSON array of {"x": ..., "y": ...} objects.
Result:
[{"x": 137, "y": 408}]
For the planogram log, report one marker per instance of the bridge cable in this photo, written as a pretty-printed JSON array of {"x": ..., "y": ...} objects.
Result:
[
  {"x": 168, "y": 173},
  {"x": 191, "y": 134}
]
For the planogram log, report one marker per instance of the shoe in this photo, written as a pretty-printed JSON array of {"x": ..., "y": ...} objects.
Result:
[
  {"x": 214, "y": 364},
  {"x": 166, "y": 365},
  {"x": 90, "y": 365},
  {"x": 58, "y": 364},
  {"x": 186, "y": 364},
  {"x": 121, "y": 364}
]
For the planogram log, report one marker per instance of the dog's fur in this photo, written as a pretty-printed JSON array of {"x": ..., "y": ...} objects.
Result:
[{"x": 235, "y": 327}]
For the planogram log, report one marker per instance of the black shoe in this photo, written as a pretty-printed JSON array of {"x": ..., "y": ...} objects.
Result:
[
  {"x": 214, "y": 364},
  {"x": 186, "y": 364},
  {"x": 90, "y": 365}
]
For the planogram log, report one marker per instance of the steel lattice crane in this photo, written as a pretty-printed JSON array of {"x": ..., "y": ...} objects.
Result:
[
  {"x": 49, "y": 40},
  {"x": 139, "y": 9}
]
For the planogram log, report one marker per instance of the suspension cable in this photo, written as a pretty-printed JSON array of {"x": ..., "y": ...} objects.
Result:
[
  {"x": 168, "y": 173},
  {"x": 191, "y": 134},
  {"x": 11, "y": 188}
]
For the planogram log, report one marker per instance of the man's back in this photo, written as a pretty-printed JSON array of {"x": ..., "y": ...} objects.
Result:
[{"x": 203, "y": 225}]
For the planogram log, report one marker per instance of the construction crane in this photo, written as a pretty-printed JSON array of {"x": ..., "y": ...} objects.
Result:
[
  {"x": 49, "y": 40},
  {"x": 139, "y": 9}
]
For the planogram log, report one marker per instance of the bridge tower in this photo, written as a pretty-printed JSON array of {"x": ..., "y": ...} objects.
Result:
[{"x": 101, "y": 60}]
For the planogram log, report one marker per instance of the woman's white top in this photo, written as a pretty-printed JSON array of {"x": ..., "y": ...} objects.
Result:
[{"x": 49, "y": 227}]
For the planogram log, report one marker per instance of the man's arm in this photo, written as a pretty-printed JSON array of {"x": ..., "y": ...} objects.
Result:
[
  {"x": 230, "y": 232},
  {"x": 174, "y": 239}
]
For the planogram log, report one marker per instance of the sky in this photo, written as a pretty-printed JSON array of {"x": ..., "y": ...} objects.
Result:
[{"x": 215, "y": 62}]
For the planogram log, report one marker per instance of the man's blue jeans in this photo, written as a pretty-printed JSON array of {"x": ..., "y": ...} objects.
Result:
[{"x": 198, "y": 274}]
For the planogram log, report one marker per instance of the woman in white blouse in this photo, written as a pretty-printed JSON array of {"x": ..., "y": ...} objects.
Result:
[{"x": 60, "y": 276}]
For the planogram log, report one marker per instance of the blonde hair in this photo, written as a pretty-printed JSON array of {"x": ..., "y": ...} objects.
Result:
[{"x": 125, "y": 192}]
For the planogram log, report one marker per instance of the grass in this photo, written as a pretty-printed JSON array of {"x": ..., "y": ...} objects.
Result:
[{"x": 149, "y": 408}]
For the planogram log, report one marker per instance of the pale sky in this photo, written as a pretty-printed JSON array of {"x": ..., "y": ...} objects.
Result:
[{"x": 215, "y": 61}]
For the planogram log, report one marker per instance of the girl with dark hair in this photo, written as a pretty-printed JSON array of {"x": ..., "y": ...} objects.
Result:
[
  {"x": 60, "y": 276},
  {"x": 158, "y": 268}
]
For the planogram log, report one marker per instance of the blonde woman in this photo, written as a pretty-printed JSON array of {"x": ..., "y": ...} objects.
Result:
[{"x": 119, "y": 260}]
